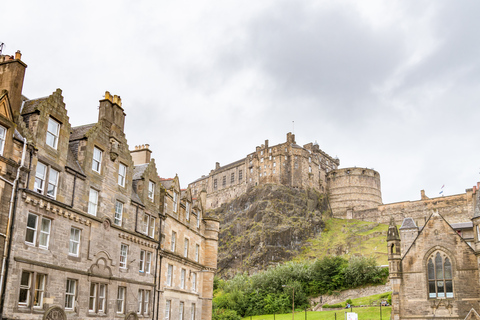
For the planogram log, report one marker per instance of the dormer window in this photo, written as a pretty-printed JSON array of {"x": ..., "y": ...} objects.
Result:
[
  {"x": 97, "y": 159},
  {"x": 151, "y": 190},
  {"x": 175, "y": 201},
  {"x": 187, "y": 210},
  {"x": 52, "y": 133},
  {"x": 3, "y": 133}
]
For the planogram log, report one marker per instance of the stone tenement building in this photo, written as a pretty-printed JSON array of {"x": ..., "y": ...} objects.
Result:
[
  {"x": 434, "y": 269},
  {"x": 86, "y": 226},
  {"x": 287, "y": 163}
]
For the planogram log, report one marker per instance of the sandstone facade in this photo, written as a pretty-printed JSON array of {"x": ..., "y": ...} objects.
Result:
[{"x": 84, "y": 236}]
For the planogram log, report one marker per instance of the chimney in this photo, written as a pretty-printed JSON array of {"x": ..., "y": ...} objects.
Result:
[
  {"x": 12, "y": 73},
  {"x": 111, "y": 110},
  {"x": 217, "y": 165},
  {"x": 141, "y": 154},
  {"x": 290, "y": 137}
]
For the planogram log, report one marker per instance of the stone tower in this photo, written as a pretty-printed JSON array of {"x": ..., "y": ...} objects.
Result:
[{"x": 395, "y": 267}]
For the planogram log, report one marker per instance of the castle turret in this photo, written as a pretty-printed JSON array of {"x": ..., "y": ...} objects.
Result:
[{"x": 394, "y": 267}]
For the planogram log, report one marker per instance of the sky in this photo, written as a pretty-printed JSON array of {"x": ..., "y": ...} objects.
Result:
[{"x": 389, "y": 85}]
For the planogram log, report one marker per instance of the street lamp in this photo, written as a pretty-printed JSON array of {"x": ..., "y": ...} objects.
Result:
[{"x": 293, "y": 299}]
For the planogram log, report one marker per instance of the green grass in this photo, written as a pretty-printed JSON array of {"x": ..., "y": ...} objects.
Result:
[
  {"x": 368, "y": 313},
  {"x": 348, "y": 237},
  {"x": 368, "y": 300}
]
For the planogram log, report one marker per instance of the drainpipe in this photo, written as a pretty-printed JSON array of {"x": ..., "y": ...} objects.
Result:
[{"x": 8, "y": 236}]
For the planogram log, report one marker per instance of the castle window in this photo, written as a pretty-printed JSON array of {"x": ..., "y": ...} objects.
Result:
[
  {"x": 439, "y": 270},
  {"x": 3, "y": 132},
  {"x": 52, "y": 133},
  {"x": 224, "y": 181},
  {"x": 261, "y": 152},
  {"x": 240, "y": 175},
  {"x": 309, "y": 159},
  {"x": 260, "y": 174},
  {"x": 97, "y": 159},
  {"x": 270, "y": 158},
  {"x": 270, "y": 150},
  {"x": 285, "y": 149},
  {"x": 310, "y": 169},
  {"x": 261, "y": 160},
  {"x": 274, "y": 164},
  {"x": 215, "y": 182},
  {"x": 232, "y": 178},
  {"x": 273, "y": 171},
  {"x": 286, "y": 157},
  {"x": 251, "y": 170}
]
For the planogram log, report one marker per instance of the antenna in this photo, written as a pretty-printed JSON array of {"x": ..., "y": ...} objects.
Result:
[
  {"x": 1, "y": 47},
  {"x": 293, "y": 127}
]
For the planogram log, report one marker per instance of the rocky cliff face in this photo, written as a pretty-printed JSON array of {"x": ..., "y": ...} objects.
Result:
[{"x": 267, "y": 225}]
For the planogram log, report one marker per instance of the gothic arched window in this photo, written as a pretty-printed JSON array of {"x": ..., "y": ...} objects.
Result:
[{"x": 439, "y": 270}]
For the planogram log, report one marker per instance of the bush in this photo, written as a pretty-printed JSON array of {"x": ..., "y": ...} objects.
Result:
[
  {"x": 349, "y": 301},
  {"x": 222, "y": 314},
  {"x": 337, "y": 305}
]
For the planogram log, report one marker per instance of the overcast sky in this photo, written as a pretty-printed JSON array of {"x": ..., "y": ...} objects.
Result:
[{"x": 389, "y": 85}]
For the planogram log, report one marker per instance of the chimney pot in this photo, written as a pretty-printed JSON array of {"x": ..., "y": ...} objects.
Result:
[{"x": 18, "y": 55}]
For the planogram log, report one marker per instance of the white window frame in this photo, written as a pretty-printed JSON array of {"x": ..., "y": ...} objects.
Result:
[
  {"x": 118, "y": 213},
  {"x": 151, "y": 190},
  {"x": 25, "y": 287},
  {"x": 168, "y": 306},
  {"x": 121, "y": 299},
  {"x": 151, "y": 230},
  {"x": 187, "y": 211},
  {"x": 93, "y": 202},
  {"x": 182, "y": 278},
  {"x": 175, "y": 201},
  {"x": 97, "y": 160},
  {"x": 32, "y": 229},
  {"x": 123, "y": 256},
  {"x": 3, "y": 133},
  {"x": 40, "y": 177},
  {"x": 52, "y": 186},
  {"x": 180, "y": 310},
  {"x": 197, "y": 252},
  {"x": 173, "y": 242},
  {"x": 146, "y": 302},
  {"x": 192, "y": 311},
  {"x": 185, "y": 247},
  {"x": 141, "y": 267},
  {"x": 140, "y": 301},
  {"x": 39, "y": 290},
  {"x": 98, "y": 299},
  {"x": 74, "y": 243},
  {"x": 122, "y": 174},
  {"x": 169, "y": 275},
  {"x": 148, "y": 262},
  {"x": 70, "y": 294},
  {"x": 194, "y": 281},
  {"x": 53, "y": 131}
]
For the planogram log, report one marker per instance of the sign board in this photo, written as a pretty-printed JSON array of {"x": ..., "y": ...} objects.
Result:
[{"x": 352, "y": 316}]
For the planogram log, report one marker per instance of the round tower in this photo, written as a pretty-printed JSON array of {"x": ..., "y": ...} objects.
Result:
[{"x": 353, "y": 189}]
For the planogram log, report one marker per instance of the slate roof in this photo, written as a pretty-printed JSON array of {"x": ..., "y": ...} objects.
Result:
[
  {"x": 462, "y": 225},
  {"x": 17, "y": 135},
  {"x": 167, "y": 183},
  {"x": 80, "y": 131},
  {"x": 31, "y": 105},
  {"x": 136, "y": 198},
  {"x": 408, "y": 223},
  {"x": 72, "y": 161},
  {"x": 139, "y": 170}
]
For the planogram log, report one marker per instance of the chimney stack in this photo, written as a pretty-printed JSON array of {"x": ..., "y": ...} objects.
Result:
[
  {"x": 141, "y": 154},
  {"x": 12, "y": 73}
]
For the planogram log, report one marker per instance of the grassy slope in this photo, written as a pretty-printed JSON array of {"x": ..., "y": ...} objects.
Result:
[
  {"x": 369, "y": 313},
  {"x": 348, "y": 237}
]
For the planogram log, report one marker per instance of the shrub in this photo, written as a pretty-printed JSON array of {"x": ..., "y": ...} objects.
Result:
[{"x": 337, "y": 305}]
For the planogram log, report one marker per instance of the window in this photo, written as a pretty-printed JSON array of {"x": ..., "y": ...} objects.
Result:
[
  {"x": 97, "y": 299},
  {"x": 309, "y": 159},
  {"x": 185, "y": 249},
  {"x": 151, "y": 230},
  {"x": 141, "y": 268},
  {"x": 146, "y": 220},
  {"x": 251, "y": 170},
  {"x": 169, "y": 275},
  {"x": 270, "y": 158},
  {"x": 180, "y": 311},
  {"x": 310, "y": 169},
  {"x": 70, "y": 294},
  {"x": 44, "y": 232},
  {"x": 175, "y": 201},
  {"x": 296, "y": 165},
  {"x": 121, "y": 299},
  {"x": 151, "y": 190},
  {"x": 143, "y": 301},
  {"x": 148, "y": 262},
  {"x": 122, "y": 173},
  {"x": 168, "y": 304},
  {"x": 173, "y": 242},
  {"x": 118, "y": 213},
  {"x": 197, "y": 249},
  {"x": 261, "y": 160},
  {"x": 261, "y": 152},
  {"x": 123, "y": 256},
  {"x": 194, "y": 282},
  {"x": 187, "y": 210},
  {"x": 274, "y": 164},
  {"x": 274, "y": 171},
  {"x": 439, "y": 269},
  {"x": 26, "y": 285},
  {"x": 224, "y": 181},
  {"x": 41, "y": 176},
  {"x": 192, "y": 312},
  {"x": 198, "y": 221},
  {"x": 3, "y": 132},
  {"x": 232, "y": 178},
  {"x": 286, "y": 157},
  {"x": 74, "y": 245},
  {"x": 97, "y": 159},
  {"x": 214, "y": 184},
  {"x": 182, "y": 279},
  {"x": 93, "y": 202},
  {"x": 240, "y": 175},
  {"x": 52, "y": 133}
]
